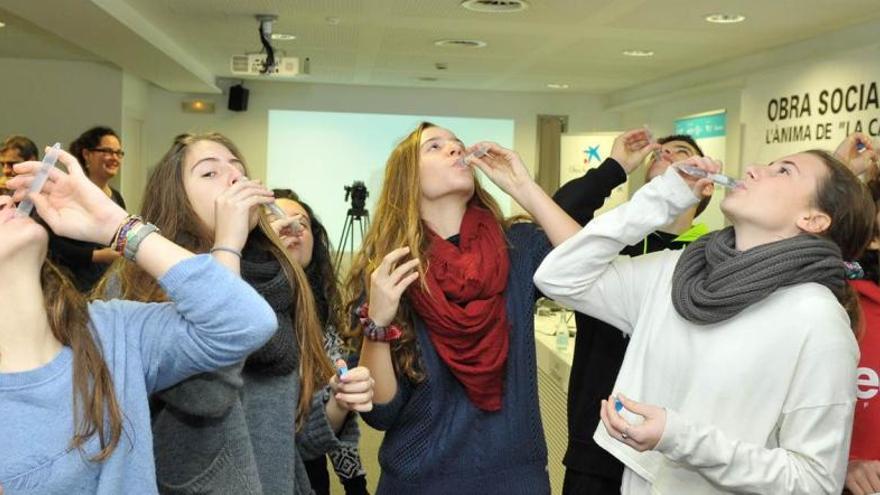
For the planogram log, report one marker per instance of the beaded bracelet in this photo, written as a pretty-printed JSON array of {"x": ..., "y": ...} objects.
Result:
[{"x": 374, "y": 332}]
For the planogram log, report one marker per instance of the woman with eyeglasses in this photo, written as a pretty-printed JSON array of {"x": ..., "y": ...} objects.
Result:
[
  {"x": 99, "y": 150},
  {"x": 15, "y": 149}
]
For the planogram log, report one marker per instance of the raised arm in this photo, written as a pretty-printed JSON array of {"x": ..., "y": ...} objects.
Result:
[
  {"x": 505, "y": 168},
  {"x": 202, "y": 329},
  {"x": 581, "y": 197},
  {"x": 585, "y": 272}
]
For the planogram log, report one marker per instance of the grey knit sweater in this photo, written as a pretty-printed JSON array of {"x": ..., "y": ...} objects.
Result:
[{"x": 227, "y": 433}]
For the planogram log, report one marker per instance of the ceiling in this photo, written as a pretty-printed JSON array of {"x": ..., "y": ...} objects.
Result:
[{"x": 184, "y": 45}]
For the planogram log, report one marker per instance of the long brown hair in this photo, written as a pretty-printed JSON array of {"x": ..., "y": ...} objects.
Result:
[
  {"x": 95, "y": 408},
  {"x": 398, "y": 223},
  {"x": 848, "y": 202},
  {"x": 167, "y": 205}
]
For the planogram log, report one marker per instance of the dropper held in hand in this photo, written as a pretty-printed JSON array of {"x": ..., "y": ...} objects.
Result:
[
  {"x": 273, "y": 209},
  {"x": 720, "y": 179},
  {"x": 657, "y": 154},
  {"x": 477, "y": 153},
  {"x": 27, "y": 205}
]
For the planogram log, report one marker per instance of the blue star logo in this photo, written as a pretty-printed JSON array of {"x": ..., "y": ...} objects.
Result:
[{"x": 592, "y": 152}]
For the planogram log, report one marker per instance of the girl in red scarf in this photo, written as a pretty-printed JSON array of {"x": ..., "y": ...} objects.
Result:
[{"x": 447, "y": 328}]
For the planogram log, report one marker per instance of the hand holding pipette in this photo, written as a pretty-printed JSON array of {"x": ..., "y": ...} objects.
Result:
[
  {"x": 630, "y": 148},
  {"x": 236, "y": 212},
  {"x": 71, "y": 204},
  {"x": 859, "y": 152},
  {"x": 352, "y": 388},
  {"x": 701, "y": 173},
  {"x": 502, "y": 166}
]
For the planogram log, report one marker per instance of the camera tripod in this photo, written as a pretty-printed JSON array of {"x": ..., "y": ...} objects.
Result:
[{"x": 362, "y": 217}]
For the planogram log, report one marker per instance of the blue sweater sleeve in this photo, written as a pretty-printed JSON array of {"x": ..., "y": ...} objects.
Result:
[
  {"x": 383, "y": 416},
  {"x": 214, "y": 319}
]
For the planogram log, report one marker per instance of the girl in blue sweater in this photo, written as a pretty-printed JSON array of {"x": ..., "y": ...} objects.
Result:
[
  {"x": 245, "y": 429},
  {"x": 74, "y": 378}
]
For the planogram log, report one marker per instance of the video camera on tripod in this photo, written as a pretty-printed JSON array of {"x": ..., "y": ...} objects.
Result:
[
  {"x": 358, "y": 212},
  {"x": 358, "y": 193}
]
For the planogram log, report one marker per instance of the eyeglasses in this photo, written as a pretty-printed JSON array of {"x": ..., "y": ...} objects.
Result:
[{"x": 110, "y": 151}]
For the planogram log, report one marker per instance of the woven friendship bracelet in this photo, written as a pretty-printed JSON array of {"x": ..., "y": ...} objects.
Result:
[
  {"x": 129, "y": 236},
  {"x": 118, "y": 242}
]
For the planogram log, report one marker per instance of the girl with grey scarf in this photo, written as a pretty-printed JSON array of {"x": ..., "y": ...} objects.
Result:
[
  {"x": 739, "y": 375},
  {"x": 248, "y": 428}
]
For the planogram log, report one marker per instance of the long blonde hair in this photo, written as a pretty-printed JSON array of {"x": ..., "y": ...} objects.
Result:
[
  {"x": 166, "y": 205},
  {"x": 397, "y": 223}
]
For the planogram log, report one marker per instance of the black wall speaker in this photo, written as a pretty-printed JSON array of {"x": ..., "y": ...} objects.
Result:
[{"x": 238, "y": 98}]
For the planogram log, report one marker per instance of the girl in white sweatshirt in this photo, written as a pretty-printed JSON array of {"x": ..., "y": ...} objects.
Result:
[{"x": 740, "y": 373}]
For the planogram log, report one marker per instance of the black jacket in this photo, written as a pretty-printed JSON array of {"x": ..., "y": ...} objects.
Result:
[{"x": 76, "y": 256}]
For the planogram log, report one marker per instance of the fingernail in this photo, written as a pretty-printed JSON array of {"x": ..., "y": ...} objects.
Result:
[{"x": 341, "y": 367}]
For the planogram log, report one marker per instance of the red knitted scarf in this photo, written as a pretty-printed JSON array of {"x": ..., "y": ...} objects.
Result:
[{"x": 465, "y": 311}]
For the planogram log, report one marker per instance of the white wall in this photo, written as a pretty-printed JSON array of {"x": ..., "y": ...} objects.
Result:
[
  {"x": 743, "y": 87},
  {"x": 135, "y": 111},
  {"x": 53, "y": 100},
  {"x": 249, "y": 129},
  {"x": 823, "y": 90}
]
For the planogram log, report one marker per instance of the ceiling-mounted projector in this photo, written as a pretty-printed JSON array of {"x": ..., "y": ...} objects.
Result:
[{"x": 254, "y": 64}]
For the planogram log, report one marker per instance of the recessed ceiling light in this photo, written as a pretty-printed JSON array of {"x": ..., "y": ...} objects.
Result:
[
  {"x": 638, "y": 53},
  {"x": 2, "y": 24},
  {"x": 725, "y": 18},
  {"x": 283, "y": 37},
  {"x": 461, "y": 43},
  {"x": 495, "y": 6},
  {"x": 557, "y": 86}
]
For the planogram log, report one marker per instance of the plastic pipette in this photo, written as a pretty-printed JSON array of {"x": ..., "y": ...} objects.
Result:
[
  {"x": 27, "y": 205},
  {"x": 721, "y": 180},
  {"x": 656, "y": 153},
  {"x": 274, "y": 209},
  {"x": 477, "y": 153}
]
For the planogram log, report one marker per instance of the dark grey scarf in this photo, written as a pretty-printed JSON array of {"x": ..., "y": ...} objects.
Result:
[
  {"x": 279, "y": 356},
  {"x": 713, "y": 281}
]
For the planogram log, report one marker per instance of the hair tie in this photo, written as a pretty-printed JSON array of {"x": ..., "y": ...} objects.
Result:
[{"x": 853, "y": 270}]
